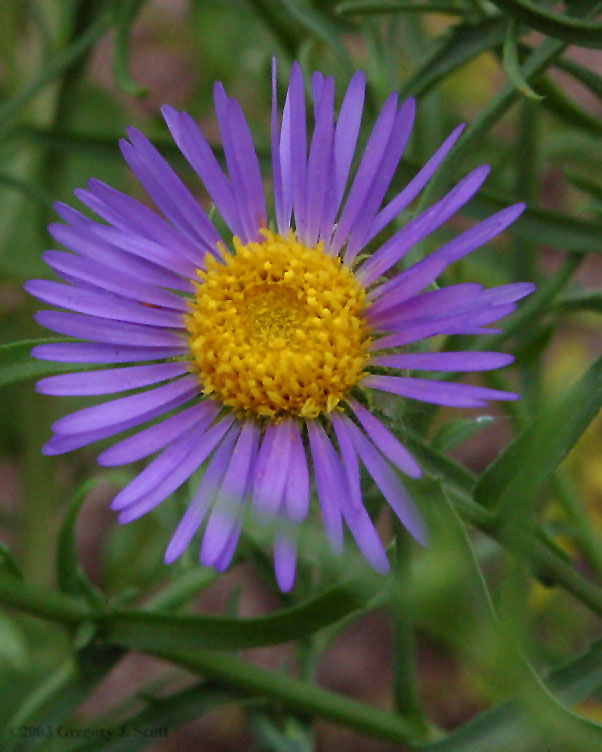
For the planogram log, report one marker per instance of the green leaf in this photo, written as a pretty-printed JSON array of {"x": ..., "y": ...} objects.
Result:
[
  {"x": 559, "y": 104},
  {"x": 455, "y": 432},
  {"x": 16, "y": 363},
  {"x": 9, "y": 561},
  {"x": 145, "y": 630},
  {"x": 510, "y": 482},
  {"x": 372, "y": 7},
  {"x": 583, "y": 301},
  {"x": 125, "y": 13},
  {"x": 568, "y": 29},
  {"x": 318, "y": 24},
  {"x": 585, "y": 184},
  {"x": 461, "y": 45},
  {"x": 512, "y": 62}
]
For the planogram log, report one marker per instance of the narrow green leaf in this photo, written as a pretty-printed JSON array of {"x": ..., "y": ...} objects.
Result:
[
  {"x": 583, "y": 301},
  {"x": 318, "y": 24},
  {"x": 589, "y": 78},
  {"x": 510, "y": 482},
  {"x": 567, "y": 28},
  {"x": 373, "y": 7},
  {"x": 585, "y": 184},
  {"x": 559, "y": 104},
  {"x": 71, "y": 578},
  {"x": 125, "y": 13},
  {"x": 53, "y": 69},
  {"x": 146, "y": 630},
  {"x": 41, "y": 601},
  {"x": 459, "y": 46},
  {"x": 456, "y": 432},
  {"x": 512, "y": 62},
  {"x": 9, "y": 562}
]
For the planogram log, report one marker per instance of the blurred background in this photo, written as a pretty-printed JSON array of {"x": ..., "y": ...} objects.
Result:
[{"x": 73, "y": 75}]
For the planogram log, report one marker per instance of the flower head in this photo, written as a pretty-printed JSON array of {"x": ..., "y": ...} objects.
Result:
[{"x": 260, "y": 348}]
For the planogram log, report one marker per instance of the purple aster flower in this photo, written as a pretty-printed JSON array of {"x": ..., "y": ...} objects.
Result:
[{"x": 261, "y": 347}]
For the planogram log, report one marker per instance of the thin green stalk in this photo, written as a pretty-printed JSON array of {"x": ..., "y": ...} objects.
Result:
[{"x": 296, "y": 695}]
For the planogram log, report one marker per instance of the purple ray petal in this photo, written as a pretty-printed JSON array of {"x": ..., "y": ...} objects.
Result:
[
  {"x": 345, "y": 140},
  {"x": 388, "y": 444},
  {"x": 367, "y": 538},
  {"x": 224, "y": 517},
  {"x": 108, "y": 332},
  {"x": 368, "y": 168},
  {"x": 319, "y": 161},
  {"x": 421, "y": 329},
  {"x": 99, "y": 275},
  {"x": 82, "y": 352},
  {"x": 298, "y": 147},
  {"x": 285, "y": 154},
  {"x": 402, "y": 127},
  {"x": 330, "y": 482},
  {"x": 283, "y": 210},
  {"x": 234, "y": 164},
  {"x": 125, "y": 213},
  {"x": 62, "y": 443},
  {"x": 169, "y": 470},
  {"x": 445, "y": 361},
  {"x": 417, "y": 277},
  {"x": 413, "y": 188},
  {"x": 351, "y": 466},
  {"x": 428, "y": 303},
  {"x": 297, "y": 491},
  {"x": 157, "y": 437},
  {"x": 422, "y": 226},
  {"x": 285, "y": 562},
  {"x": 152, "y": 268},
  {"x": 437, "y": 392},
  {"x": 197, "y": 509},
  {"x": 100, "y": 304},
  {"x": 125, "y": 408},
  {"x": 388, "y": 482},
  {"x": 167, "y": 190},
  {"x": 110, "y": 381},
  {"x": 195, "y": 148},
  {"x": 224, "y": 560},
  {"x": 272, "y": 467}
]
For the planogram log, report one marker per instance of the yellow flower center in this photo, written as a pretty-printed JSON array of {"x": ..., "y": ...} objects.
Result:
[{"x": 278, "y": 328}]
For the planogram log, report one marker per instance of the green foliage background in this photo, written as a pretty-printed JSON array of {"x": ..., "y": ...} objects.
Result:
[{"x": 510, "y": 591}]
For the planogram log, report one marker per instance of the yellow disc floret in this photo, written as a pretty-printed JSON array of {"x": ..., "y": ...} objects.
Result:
[{"x": 277, "y": 329}]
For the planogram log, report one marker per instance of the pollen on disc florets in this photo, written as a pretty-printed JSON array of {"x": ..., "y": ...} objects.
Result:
[{"x": 277, "y": 329}]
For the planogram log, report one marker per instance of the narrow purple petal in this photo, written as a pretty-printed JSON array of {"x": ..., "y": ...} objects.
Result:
[
  {"x": 157, "y": 437},
  {"x": 413, "y": 188},
  {"x": 297, "y": 491},
  {"x": 298, "y": 146},
  {"x": 421, "y": 329},
  {"x": 110, "y": 381},
  {"x": 153, "y": 268},
  {"x": 83, "y": 352},
  {"x": 345, "y": 140},
  {"x": 224, "y": 517},
  {"x": 272, "y": 467},
  {"x": 197, "y": 509},
  {"x": 285, "y": 562},
  {"x": 402, "y": 127},
  {"x": 437, "y": 392},
  {"x": 388, "y": 482},
  {"x": 330, "y": 482},
  {"x": 61, "y": 443},
  {"x": 351, "y": 466},
  {"x": 282, "y": 214},
  {"x": 104, "y": 277},
  {"x": 429, "y": 303},
  {"x": 195, "y": 148},
  {"x": 368, "y": 540},
  {"x": 388, "y": 444},
  {"x": 319, "y": 161},
  {"x": 125, "y": 213},
  {"x": 104, "y": 305},
  {"x": 114, "y": 411},
  {"x": 224, "y": 560},
  {"x": 168, "y": 471},
  {"x": 285, "y": 157},
  {"x": 422, "y": 226},
  {"x": 420, "y": 275},
  {"x": 368, "y": 168},
  {"x": 167, "y": 190},
  {"x": 445, "y": 361},
  {"x": 108, "y": 332}
]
